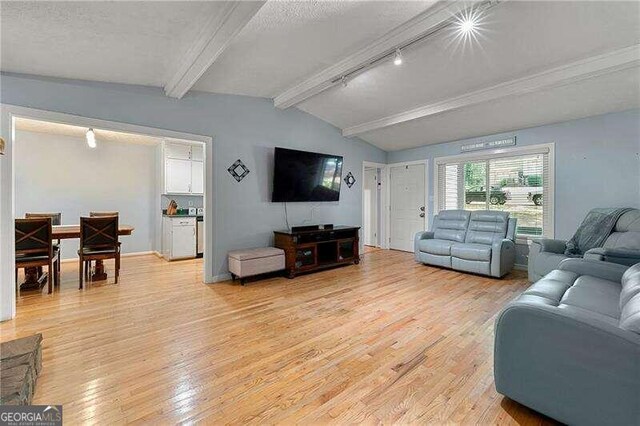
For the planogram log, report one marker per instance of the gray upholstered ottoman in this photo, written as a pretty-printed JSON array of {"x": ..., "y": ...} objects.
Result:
[{"x": 250, "y": 262}]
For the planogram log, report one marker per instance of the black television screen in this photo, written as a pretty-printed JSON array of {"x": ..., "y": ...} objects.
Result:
[{"x": 306, "y": 176}]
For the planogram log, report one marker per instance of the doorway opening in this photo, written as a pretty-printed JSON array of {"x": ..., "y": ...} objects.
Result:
[
  {"x": 78, "y": 167},
  {"x": 373, "y": 210}
]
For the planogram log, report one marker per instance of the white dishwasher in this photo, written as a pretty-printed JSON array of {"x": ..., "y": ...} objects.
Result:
[{"x": 179, "y": 237}]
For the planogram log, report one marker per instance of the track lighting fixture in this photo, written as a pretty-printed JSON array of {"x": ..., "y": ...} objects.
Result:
[
  {"x": 397, "y": 59},
  {"x": 91, "y": 138},
  {"x": 344, "y": 81}
]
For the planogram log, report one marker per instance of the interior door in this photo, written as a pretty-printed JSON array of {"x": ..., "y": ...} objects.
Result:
[
  {"x": 370, "y": 189},
  {"x": 407, "y": 197}
]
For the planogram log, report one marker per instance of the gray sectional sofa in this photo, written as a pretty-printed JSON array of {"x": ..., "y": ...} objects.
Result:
[
  {"x": 569, "y": 346},
  {"x": 622, "y": 246},
  {"x": 481, "y": 242}
]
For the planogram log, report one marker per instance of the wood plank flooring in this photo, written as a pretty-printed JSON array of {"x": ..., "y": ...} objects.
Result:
[{"x": 387, "y": 341}]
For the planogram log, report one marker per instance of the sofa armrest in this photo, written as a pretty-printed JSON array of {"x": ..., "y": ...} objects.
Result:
[
  {"x": 621, "y": 256},
  {"x": 422, "y": 235},
  {"x": 576, "y": 369},
  {"x": 605, "y": 270},
  {"x": 550, "y": 246},
  {"x": 503, "y": 257}
]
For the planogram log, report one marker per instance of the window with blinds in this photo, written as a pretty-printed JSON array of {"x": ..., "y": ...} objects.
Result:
[{"x": 520, "y": 183}]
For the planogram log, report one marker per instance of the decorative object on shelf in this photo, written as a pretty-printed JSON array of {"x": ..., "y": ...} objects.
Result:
[
  {"x": 349, "y": 179},
  {"x": 172, "y": 208},
  {"x": 1, "y": 146},
  {"x": 238, "y": 170}
]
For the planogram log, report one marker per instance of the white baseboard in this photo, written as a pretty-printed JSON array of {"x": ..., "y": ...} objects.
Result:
[{"x": 138, "y": 253}]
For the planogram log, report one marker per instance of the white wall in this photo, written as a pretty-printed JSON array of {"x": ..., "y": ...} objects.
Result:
[{"x": 55, "y": 173}]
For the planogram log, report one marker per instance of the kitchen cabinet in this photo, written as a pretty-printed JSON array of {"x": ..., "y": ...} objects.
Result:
[
  {"x": 183, "y": 168},
  {"x": 197, "y": 177},
  {"x": 178, "y": 237},
  {"x": 178, "y": 176}
]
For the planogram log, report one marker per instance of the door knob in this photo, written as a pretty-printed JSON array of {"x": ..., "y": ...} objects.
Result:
[
  {"x": 421, "y": 214},
  {"x": 422, "y": 208}
]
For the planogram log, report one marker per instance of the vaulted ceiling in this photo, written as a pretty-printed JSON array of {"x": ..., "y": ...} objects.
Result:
[{"x": 527, "y": 63}]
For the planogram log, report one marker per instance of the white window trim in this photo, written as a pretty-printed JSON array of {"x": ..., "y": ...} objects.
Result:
[{"x": 545, "y": 148}]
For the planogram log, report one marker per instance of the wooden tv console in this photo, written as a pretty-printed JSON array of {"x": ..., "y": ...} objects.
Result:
[{"x": 311, "y": 250}]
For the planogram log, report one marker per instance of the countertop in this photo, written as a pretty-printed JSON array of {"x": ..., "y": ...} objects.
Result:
[{"x": 182, "y": 215}]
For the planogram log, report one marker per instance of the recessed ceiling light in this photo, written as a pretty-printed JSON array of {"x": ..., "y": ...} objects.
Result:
[
  {"x": 397, "y": 59},
  {"x": 91, "y": 138}
]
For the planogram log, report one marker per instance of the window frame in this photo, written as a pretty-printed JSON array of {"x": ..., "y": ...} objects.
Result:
[{"x": 544, "y": 148}]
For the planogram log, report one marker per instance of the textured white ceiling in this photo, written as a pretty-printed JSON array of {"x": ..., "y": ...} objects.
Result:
[
  {"x": 287, "y": 41},
  {"x": 517, "y": 39},
  {"x": 599, "y": 95},
  {"x": 46, "y": 127},
  {"x": 126, "y": 42}
]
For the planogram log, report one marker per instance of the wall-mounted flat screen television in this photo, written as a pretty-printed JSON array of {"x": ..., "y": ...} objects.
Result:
[{"x": 306, "y": 176}]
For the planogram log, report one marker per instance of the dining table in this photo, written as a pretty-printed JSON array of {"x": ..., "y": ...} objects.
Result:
[{"x": 36, "y": 280}]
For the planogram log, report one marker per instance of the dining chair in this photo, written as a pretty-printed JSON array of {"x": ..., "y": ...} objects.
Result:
[
  {"x": 99, "y": 241},
  {"x": 56, "y": 219},
  {"x": 87, "y": 264},
  {"x": 34, "y": 248}
]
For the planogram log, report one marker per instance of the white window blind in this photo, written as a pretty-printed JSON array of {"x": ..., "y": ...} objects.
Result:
[{"x": 517, "y": 183}]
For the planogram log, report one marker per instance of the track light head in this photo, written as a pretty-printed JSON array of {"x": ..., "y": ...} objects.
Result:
[
  {"x": 397, "y": 59},
  {"x": 91, "y": 138}
]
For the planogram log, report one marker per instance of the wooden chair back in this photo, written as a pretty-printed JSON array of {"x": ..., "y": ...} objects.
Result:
[
  {"x": 99, "y": 232},
  {"x": 56, "y": 218},
  {"x": 103, "y": 214},
  {"x": 33, "y": 236}
]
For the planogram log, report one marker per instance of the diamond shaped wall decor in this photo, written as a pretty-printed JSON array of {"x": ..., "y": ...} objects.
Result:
[
  {"x": 238, "y": 170},
  {"x": 349, "y": 179}
]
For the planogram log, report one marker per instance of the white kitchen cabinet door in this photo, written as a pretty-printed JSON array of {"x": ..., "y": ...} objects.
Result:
[
  {"x": 178, "y": 151},
  {"x": 197, "y": 177},
  {"x": 183, "y": 242},
  {"x": 197, "y": 153},
  {"x": 177, "y": 176}
]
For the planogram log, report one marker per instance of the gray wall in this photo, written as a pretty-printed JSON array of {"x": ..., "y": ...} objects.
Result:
[
  {"x": 597, "y": 164},
  {"x": 243, "y": 128},
  {"x": 57, "y": 173}
]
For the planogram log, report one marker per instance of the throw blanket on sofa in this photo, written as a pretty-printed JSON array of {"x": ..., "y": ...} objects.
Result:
[{"x": 594, "y": 230}]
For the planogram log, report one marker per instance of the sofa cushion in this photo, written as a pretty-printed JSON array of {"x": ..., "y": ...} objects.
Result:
[
  {"x": 473, "y": 266},
  {"x": 440, "y": 247},
  {"x": 470, "y": 251},
  {"x": 487, "y": 227},
  {"x": 626, "y": 233},
  {"x": 598, "y": 285},
  {"x": 435, "y": 259},
  {"x": 630, "y": 284},
  {"x": 451, "y": 225},
  {"x": 587, "y": 295},
  {"x": 550, "y": 289}
]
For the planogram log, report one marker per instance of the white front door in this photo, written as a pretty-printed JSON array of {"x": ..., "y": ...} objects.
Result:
[
  {"x": 407, "y": 185},
  {"x": 370, "y": 189}
]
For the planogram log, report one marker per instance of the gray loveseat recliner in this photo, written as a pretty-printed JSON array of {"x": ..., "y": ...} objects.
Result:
[
  {"x": 481, "y": 242},
  {"x": 622, "y": 246},
  {"x": 569, "y": 346}
]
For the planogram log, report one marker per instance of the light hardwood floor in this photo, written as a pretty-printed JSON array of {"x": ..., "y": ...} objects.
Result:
[{"x": 387, "y": 341}]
